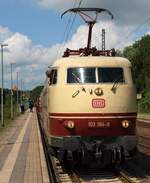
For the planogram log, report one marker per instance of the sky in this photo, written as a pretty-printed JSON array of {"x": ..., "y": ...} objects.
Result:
[{"x": 36, "y": 35}]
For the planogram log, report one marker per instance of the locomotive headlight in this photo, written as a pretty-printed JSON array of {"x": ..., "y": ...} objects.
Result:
[
  {"x": 125, "y": 123},
  {"x": 70, "y": 124}
]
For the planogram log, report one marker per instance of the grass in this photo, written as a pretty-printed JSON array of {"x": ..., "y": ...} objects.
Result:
[
  {"x": 6, "y": 124},
  {"x": 7, "y": 116},
  {"x": 144, "y": 113}
]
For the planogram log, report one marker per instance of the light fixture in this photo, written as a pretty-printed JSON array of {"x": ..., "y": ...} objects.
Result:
[{"x": 125, "y": 123}]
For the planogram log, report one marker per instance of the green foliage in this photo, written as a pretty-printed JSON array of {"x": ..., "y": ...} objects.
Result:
[
  {"x": 144, "y": 104},
  {"x": 35, "y": 93},
  {"x": 139, "y": 55},
  {"x": 7, "y": 108},
  {"x": 25, "y": 97},
  {"x": 119, "y": 53}
]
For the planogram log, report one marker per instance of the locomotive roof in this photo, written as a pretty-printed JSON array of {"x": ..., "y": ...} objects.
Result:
[{"x": 92, "y": 61}]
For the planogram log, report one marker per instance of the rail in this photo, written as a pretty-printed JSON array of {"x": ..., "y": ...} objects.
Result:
[
  {"x": 142, "y": 122},
  {"x": 51, "y": 170},
  {"x": 144, "y": 142},
  {"x": 124, "y": 177},
  {"x": 110, "y": 176}
]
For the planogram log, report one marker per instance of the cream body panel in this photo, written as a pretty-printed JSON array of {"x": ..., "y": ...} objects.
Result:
[
  {"x": 92, "y": 61},
  {"x": 60, "y": 95},
  {"x": 61, "y": 101}
]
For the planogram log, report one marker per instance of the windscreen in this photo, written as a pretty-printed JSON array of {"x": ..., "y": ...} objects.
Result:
[
  {"x": 110, "y": 75},
  {"x": 81, "y": 75},
  {"x": 95, "y": 75}
]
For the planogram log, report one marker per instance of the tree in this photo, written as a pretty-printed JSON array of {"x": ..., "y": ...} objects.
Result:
[
  {"x": 35, "y": 93},
  {"x": 139, "y": 55}
]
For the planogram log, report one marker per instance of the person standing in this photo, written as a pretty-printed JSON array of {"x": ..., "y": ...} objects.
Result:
[{"x": 31, "y": 105}]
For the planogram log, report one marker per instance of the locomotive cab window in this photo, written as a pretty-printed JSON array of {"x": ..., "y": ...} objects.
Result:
[
  {"x": 53, "y": 77},
  {"x": 95, "y": 75},
  {"x": 110, "y": 75},
  {"x": 81, "y": 75}
]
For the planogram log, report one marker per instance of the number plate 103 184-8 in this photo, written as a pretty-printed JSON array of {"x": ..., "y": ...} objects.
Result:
[{"x": 98, "y": 124}]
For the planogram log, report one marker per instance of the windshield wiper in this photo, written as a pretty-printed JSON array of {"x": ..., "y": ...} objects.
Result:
[
  {"x": 78, "y": 80},
  {"x": 116, "y": 81}
]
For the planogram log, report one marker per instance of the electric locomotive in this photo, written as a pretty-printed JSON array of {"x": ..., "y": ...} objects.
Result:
[{"x": 88, "y": 105}]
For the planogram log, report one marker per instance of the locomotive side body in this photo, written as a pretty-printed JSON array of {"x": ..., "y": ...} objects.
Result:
[{"x": 91, "y": 109}]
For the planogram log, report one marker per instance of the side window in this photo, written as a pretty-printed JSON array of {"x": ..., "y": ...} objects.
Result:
[{"x": 53, "y": 77}]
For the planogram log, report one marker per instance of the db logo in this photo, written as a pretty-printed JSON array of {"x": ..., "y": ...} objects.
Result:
[{"x": 98, "y": 103}]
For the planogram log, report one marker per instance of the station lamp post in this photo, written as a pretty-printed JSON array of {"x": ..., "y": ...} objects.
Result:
[
  {"x": 17, "y": 93},
  {"x": 12, "y": 113},
  {"x": 21, "y": 90},
  {"x": 2, "y": 83}
]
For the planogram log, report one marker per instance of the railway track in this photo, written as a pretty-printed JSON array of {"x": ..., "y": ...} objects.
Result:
[
  {"x": 51, "y": 170},
  {"x": 144, "y": 122},
  {"x": 143, "y": 126},
  {"x": 61, "y": 174},
  {"x": 144, "y": 143},
  {"x": 91, "y": 175}
]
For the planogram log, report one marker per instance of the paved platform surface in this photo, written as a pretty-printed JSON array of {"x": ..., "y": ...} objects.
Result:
[
  {"x": 21, "y": 153},
  {"x": 144, "y": 118}
]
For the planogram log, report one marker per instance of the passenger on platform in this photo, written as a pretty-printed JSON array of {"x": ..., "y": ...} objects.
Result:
[
  {"x": 22, "y": 108},
  {"x": 31, "y": 105}
]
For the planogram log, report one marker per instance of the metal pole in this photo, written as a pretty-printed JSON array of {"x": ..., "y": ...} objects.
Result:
[
  {"x": 90, "y": 34},
  {"x": 2, "y": 88},
  {"x": 12, "y": 112},
  {"x": 103, "y": 39},
  {"x": 2, "y": 109},
  {"x": 17, "y": 95},
  {"x": 21, "y": 92}
]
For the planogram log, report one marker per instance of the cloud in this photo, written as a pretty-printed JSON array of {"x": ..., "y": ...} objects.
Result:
[
  {"x": 32, "y": 60},
  {"x": 113, "y": 36},
  {"x": 125, "y": 12},
  {"x": 22, "y": 50},
  {"x": 148, "y": 32},
  {"x": 4, "y": 33},
  {"x": 56, "y": 4}
]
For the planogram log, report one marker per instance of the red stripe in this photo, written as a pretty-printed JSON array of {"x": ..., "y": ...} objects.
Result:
[
  {"x": 58, "y": 127},
  {"x": 91, "y": 114}
]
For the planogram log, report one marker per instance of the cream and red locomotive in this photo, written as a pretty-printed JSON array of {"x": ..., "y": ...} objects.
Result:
[{"x": 88, "y": 107}]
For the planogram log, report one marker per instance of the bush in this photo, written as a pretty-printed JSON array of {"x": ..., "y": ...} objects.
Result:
[{"x": 144, "y": 103}]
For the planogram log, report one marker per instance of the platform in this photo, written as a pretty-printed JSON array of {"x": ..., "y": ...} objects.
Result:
[
  {"x": 22, "y": 158},
  {"x": 144, "y": 118}
]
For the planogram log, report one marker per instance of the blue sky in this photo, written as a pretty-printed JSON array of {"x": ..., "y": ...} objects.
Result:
[
  {"x": 34, "y": 31},
  {"x": 42, "y": 25}
]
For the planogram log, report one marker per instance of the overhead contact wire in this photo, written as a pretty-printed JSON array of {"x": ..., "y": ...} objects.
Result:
[
  {"x": 64, "y": 34},
  {"x": 70, "y": 24},
  {"x": 133, "y": 31}
]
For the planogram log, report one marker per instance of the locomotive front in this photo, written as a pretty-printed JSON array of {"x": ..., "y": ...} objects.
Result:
[
  {"x": 92, "y": 109},
  {"x": 89, "y": 104}
]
